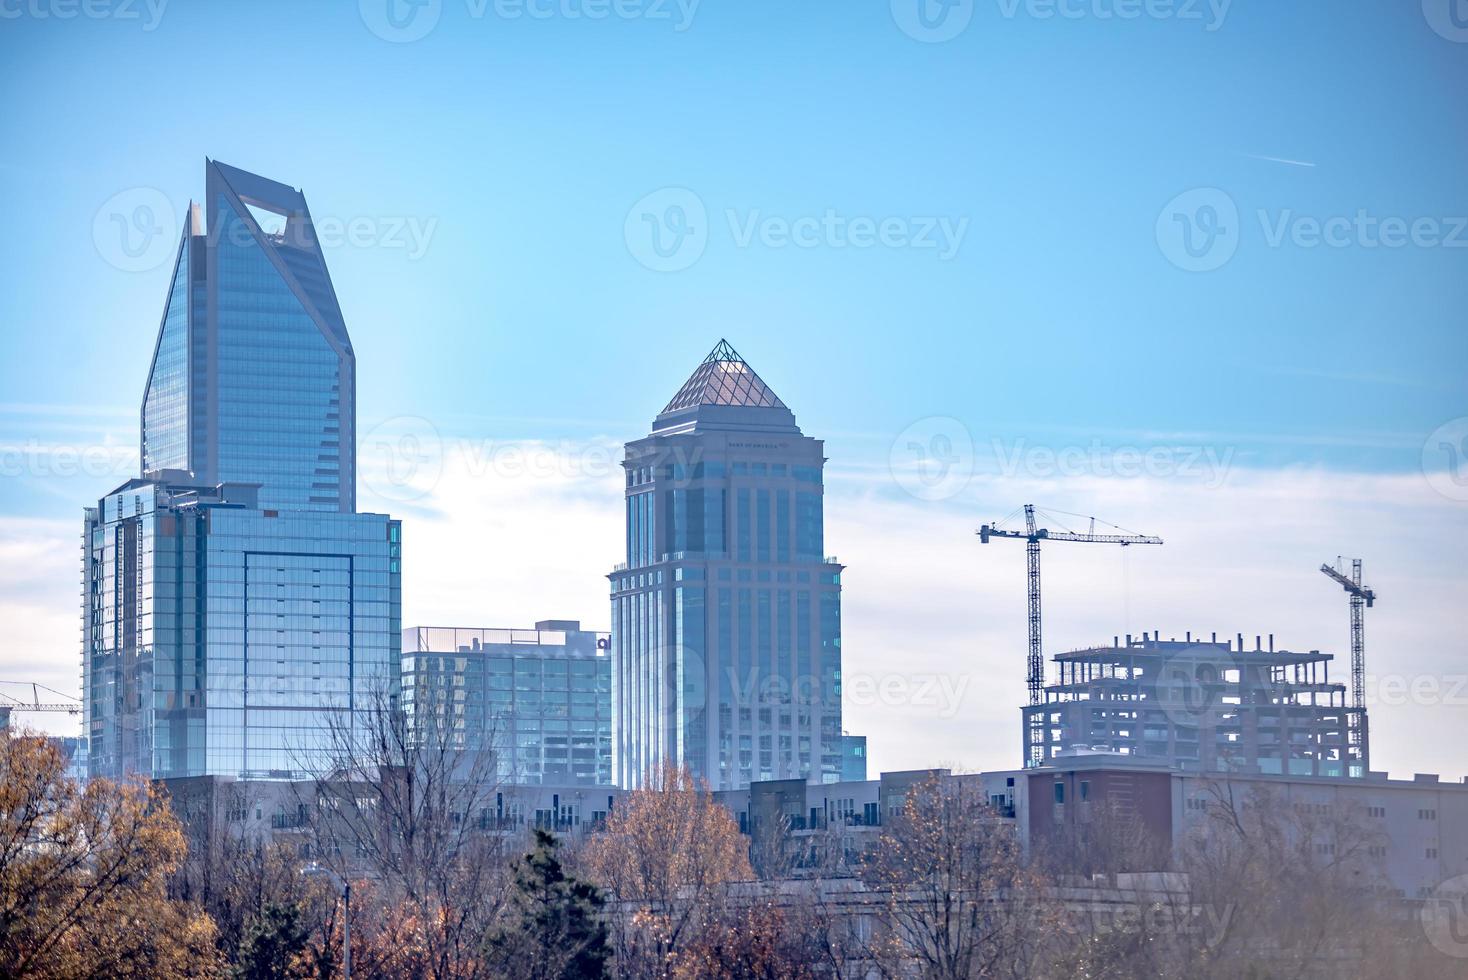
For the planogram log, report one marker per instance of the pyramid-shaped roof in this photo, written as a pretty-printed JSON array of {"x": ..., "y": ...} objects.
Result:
[{"x": 724, "y": 378}]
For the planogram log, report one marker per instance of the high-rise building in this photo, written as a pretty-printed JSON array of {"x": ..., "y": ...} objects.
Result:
[
  {"x": 253, "y": 377},
  {"x": 539, "y": 699},
  {"x": 235, "y": 608},
  {"x": 1201, "y": 706},
  {"x": 726, "y": 615}
]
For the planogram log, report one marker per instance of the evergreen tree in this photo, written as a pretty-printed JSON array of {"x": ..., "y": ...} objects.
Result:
[
  {"x": 553, "y": 928},
  {"x": 272, "y": 944}
]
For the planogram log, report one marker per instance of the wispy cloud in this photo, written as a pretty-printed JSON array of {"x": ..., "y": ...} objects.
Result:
[{"x": 506, "y": 534}]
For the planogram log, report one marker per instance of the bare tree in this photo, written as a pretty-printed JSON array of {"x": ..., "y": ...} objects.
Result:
[
  {"x": 1299, "y": 884},
  {"x": 958, "y": 900},
  {"x": 411, "y": 807}
]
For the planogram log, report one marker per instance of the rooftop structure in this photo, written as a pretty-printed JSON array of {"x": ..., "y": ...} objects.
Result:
[
  {"x": 540, "y": 699},
  {"x": 1205, "y": 706}
]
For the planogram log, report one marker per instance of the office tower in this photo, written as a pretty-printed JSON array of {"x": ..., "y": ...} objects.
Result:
[
  {"x": 726, "y": 615},
  {"x": 235, "y": 607},
  {"x": 253, "y": 376},
  {"x": 539, "y": 699}
]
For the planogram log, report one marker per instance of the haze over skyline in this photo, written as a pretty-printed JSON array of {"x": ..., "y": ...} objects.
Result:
[{"x": 956, "y": 261}]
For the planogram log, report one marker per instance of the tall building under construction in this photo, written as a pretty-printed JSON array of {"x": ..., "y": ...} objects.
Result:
[{"x": 1201, "y": 706}]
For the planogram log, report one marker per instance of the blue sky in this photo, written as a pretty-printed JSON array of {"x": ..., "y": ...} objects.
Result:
[{"x": 498, "y": 171}]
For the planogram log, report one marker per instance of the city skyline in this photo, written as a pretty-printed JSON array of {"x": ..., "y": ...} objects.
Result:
[{"x": 1297, "y": 397}]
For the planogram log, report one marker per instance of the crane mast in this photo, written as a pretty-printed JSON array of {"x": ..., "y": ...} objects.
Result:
[
  {"x": 1362, "y": 598},
  {"x": 1032, "y": 535}
]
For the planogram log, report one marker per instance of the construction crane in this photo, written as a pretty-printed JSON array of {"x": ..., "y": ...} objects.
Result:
[
  {"x": 1362, "y": 599},
  {"x": 10, "y": 703},
  {"x": 1032, "y": 536}
]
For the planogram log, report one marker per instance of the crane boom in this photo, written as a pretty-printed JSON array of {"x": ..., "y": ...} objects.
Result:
[
  {"x": 1032, "y": 535},
  {"x": 10, "y": 703}
]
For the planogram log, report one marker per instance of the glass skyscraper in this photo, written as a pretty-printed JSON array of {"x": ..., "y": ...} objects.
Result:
[
  {"x": 235, "y": 606},
  {"x": 253, "y": 375},
  {"x": 539, "y": 699},
  {"x": 726, "y": 615}
]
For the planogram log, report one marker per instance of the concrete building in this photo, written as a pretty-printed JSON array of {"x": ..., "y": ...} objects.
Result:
[
  {"x": 540, "y": 699},
  {"x": 1204, "y": 706},
  {"x": 1423, "y": 821},
  {"x": 726, "y": 614}
]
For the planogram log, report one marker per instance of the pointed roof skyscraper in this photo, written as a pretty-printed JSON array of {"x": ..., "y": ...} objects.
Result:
[
  {"x": 253, "y": 377},
  {"x": 724, "y": 391}
]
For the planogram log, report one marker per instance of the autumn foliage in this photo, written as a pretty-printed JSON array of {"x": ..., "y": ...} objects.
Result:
[{"x": 84, "y": 874}]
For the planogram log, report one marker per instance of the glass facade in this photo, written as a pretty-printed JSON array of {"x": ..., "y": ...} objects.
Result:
[
  {"x": 539, "y": 699},
  {"x": 726, "y": 616},
  {"x": 225, "y": 639},
  {"x": 253, "y": 374},
  {"x": 236, "y": 609}
]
